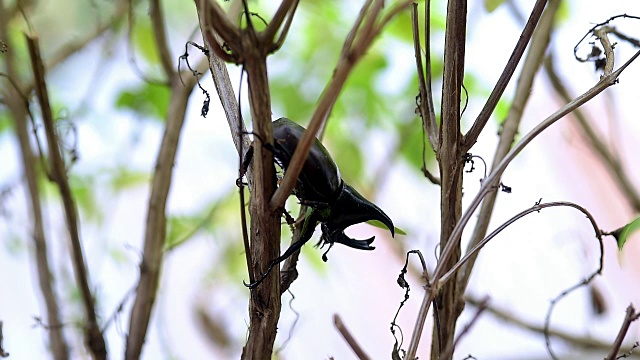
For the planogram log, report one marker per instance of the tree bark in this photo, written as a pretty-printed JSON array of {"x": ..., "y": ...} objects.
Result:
[
  {"x": 265, "y": 303},
  {"x": 450, "y": 301}
]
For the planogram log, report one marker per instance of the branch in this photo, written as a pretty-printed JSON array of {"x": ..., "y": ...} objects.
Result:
[
  {"x": 225, "y": 92},
  {"x": 606, "y": 156},
  {"x": 285, "y": 30},
  {"x": 449, "y": 154},
  {"x": 93, "y": 337},
  {"x": 425, "y": 106},
  {"x": 18, "y": 105},
  {"x": 3, "y": 353},
  {"x": 511, "y": 124},
  {"x": 159, "y": 28},
  {"x": 490, "y": 182},
  {"x": 348, "y": 337},
  {"x": 480, "y": 122},
  {"x": 71, "y": 48},
  {"x": 268, "y": 35},
  {"x": 481, "y": 307},
  {"x": 631, "y": 316},
  {"x": 217, "y": 19},
  {"x": 358, "y": 41},
  {"x": 152, "y": 258},
  {"x": 580, "y": 341},
  {"x": 473, "y": 252}
]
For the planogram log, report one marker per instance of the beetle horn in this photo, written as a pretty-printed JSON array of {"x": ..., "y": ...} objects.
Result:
[{"x": 352, "y": 208}]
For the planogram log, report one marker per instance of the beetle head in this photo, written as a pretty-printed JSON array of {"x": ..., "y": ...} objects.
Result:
[{"x": 351, "y": 208}]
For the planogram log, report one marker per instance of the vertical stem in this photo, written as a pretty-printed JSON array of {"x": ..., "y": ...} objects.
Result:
[
  {"x": 511, "y": 125},
  {"x": 265, "y": 302},
  {"x": 94, "y": 339},
  {"x": 156, "y": 222},
  {"x": 18, "y": 108},
  {"x": 450, "y": 301}
]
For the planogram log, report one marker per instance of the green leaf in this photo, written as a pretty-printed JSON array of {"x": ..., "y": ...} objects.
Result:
[
  {"x": 181, "y": 229},
  {"x": 83, "y": 188},
  {"x": 380, "y": 225},
  {"x": 5, "y": 122},
  {"x": 147, "y": 100},
  {"x": 412, "y": 139},
  {"x": 124, "y": 178},
  {"x": 145, "y": 42},
  {"x": 491, "y": 5},
  {"x": 623, "y": 234}
]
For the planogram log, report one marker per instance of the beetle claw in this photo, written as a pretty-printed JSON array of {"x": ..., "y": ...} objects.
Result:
[
  {"x": 338, "y": 236},
  {"x": 354, "y": 209}
]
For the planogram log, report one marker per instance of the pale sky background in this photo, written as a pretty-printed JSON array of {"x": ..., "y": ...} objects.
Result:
[{"x": 522, "y": 269}]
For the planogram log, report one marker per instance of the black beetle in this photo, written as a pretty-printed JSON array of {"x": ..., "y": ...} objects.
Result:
[{"x": 333, "y": 203}]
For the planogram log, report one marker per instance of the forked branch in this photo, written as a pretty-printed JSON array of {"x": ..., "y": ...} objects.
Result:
[{"x": 93, "y": 336}]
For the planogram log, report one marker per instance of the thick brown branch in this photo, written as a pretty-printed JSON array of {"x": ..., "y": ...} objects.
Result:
[
  {"x": 449, "y": 154},
  {"x": 265, "y": 304},
  {"x": 93, "y": 336},
  {"x": 480, "y": 122},
  {"x": 490, "y": 182},
  {"x": 152, "y": 259}
]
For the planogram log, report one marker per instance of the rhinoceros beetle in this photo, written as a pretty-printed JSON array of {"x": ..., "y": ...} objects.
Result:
[{"x": 333, "y": 203}]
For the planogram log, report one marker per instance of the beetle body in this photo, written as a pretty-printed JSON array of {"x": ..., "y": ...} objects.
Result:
[{"x": 334, "y": 204}]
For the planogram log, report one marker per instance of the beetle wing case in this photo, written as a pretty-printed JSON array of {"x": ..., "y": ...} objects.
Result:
[{"x": 319, "y": 179}]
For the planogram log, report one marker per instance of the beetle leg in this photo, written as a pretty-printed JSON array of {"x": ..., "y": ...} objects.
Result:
[
  {"x": 246, "y": 161},
  {"x": 324, "y": 256},
  {"x": 307, "y": 230}
]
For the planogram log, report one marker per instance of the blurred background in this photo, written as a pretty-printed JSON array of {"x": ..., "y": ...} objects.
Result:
[{"x": 110, "y": 113}]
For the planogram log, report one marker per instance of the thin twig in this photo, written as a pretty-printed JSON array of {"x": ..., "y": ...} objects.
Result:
[
  {"x": 93, "y": 337},
  {"x": 606, "y": 156},
  {"x": 490, "y": 182},
  {"x": 547, "y": 319},
  {"x": 72, "y": 47},
  {"x": 159, "y": 32},
  {"x": 511, "y": 124},
  {"x": 285, "y": 29},
  {"x": 567, "y": 337},
  {"x": 360, "y": 42},
  {"x": 630, "y": 317},
  {"x": 425, "y": 105},
  {"x": 3, "y": 353},
  {"x": 348, "y": 337},
  {"x": 220, "y": 23},
  {"x": 287, "y": 7},
  {"x": 480, "y": 122},
  {"x": 18, "y": 104},
  {"x": 131, "y": 51},
  {"x": 534, "y": 209}
]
